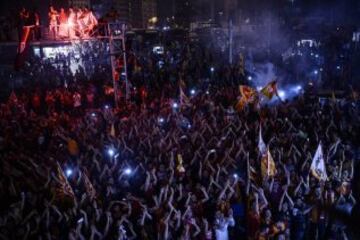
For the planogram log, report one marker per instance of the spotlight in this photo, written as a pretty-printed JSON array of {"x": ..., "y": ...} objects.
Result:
[
  {"x": 235, "y": 175},
  {"x": 192, "y": 92},
  {"x": 212, "y": 69},
  {"x": 68, "y": 172},
  {"x": 111, "y": 152},
  {"x": 175, "y": 105},
  {"x": 281, "y": 93},
  {"x": 127, "y": 171},
  {"x": 93, "y": 114}
]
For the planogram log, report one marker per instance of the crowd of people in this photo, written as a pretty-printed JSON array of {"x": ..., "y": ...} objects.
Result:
[{"x": 73, "y": 166}]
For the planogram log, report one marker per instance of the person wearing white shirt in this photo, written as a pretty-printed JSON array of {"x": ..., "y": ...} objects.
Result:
[{"x": 221, "y": 225}]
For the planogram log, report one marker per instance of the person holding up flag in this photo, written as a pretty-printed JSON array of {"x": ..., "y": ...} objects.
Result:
[{"x": 317, "y": 167}]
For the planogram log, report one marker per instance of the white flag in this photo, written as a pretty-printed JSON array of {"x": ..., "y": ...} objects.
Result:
[
  {"x": 318, "y": 164},
  {"x": 261, "y": 146}
]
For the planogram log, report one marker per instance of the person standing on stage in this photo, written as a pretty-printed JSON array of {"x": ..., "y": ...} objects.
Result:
[
  {"x": 72, "y": 22},
  {"x": 53, "y": 19},
  {"x": 37, "y": 28},
  {"x": 22, "y": 21},
  {"x": 63, "y": 28}
]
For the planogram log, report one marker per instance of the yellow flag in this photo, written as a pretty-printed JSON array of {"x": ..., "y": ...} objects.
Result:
[
  {"x": 270, "y": 90},
  {"x": 268, "y": 167}
]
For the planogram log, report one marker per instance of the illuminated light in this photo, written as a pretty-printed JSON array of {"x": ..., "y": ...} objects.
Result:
[
  {"x": 212, "y": 69},
  {"x": 107, "y": 107},
  {"x": 111, "y": 152},
  {"x": 175, "y": 105},
  {"x": 127, "y": 171},
  {"x": 68, "y": 172},
  {"x": 338, "y": 67},
  {"x": 93, "y": 114},
  {"x": 321, "y": 69},
  {"x": 207, "y": 92},
  {"x": 235, "y": 175},
  {"x": 189, "y": 126},
  {"x": 298, "y": 88},
  {"x": 281, "y": 94},
  {"x": 317, "y": 55},
  {"x": 161, "y": 120},
  {"x": 249, "y": 78},
  {"x": 192, "y": 92},
  {"x": 259, "y": 88},
  {"x": 316, "y": 72}
]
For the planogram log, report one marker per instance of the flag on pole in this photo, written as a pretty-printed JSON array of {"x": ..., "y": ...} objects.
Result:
[
  {"x": 90, "y": 190},
  {"x": 317, "y": 167},
  {"x": 65, "y": 189},
  {"x": 261, "y": 144},
  {"x": 270, "y": 90},
  {"x": 268, "y": 167}
]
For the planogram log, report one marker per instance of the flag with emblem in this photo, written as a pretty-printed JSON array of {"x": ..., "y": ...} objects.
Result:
[
  {"x": 317, "y": 167},
  {"x": 270, "y": 90}
]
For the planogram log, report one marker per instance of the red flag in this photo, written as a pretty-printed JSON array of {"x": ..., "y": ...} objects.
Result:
[{"x": 247, "y": 93}]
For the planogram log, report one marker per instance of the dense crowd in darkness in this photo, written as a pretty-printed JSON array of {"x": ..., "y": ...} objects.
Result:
[{"x": 167, "y": 171}]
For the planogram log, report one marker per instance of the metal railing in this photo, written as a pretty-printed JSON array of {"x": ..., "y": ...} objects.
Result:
[{"x": 67, "y": 32}]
